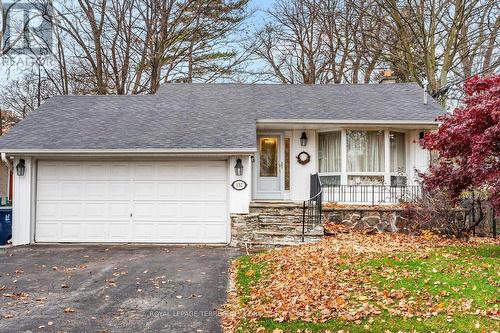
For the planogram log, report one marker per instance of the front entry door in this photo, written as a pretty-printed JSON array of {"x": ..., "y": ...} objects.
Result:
[{"x": 269, "y": 167}]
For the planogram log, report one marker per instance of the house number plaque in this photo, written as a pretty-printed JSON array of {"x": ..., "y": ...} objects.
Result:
[{"x": 239, "y": 185}]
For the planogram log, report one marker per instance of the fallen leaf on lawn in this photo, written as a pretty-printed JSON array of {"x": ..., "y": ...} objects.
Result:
[{"x": 250, "y": 272}]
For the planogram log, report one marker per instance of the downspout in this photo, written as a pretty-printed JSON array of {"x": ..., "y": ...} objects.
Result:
[{"x": 6, "y": 162}]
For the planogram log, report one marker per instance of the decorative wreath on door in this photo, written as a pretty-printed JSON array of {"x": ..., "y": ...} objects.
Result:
[{"x": 303, "y": 158}]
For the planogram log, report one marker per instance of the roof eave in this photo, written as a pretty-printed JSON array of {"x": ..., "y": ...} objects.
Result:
[
  {"x": 348, "y": 121},
  {"x": 131, "y": 152}
]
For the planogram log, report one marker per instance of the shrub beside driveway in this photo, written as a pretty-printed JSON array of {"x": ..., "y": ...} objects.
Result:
[{"x": 359, "y": 283}]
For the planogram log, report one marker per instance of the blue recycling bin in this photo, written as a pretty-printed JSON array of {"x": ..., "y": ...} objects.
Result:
[{"x": 5, "y": 224}]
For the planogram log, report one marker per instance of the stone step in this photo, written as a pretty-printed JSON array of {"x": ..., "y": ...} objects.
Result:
[
  {"x": 276, "y": 209},
  {"x": 286, "y": 237},
  {"x": 280, "y": 218},
  {"x": 271, "y": 245},
  {"x": 279, "y": 226},
  {"x": 278, "y": 204}
]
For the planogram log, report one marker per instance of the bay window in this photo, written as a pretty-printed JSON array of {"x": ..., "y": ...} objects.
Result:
[{"x": 358, "y": 157}]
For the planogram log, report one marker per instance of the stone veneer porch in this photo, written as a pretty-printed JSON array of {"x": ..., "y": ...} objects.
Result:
[{"x": 278, "y": 223}]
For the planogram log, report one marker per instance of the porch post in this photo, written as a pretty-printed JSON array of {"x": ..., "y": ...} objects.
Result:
[
  {"x": 343, "y": 157},
  {"x": 387, "y": 161}
]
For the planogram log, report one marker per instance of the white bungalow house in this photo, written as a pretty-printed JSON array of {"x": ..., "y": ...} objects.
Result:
[{"x": 173, "y": 167}]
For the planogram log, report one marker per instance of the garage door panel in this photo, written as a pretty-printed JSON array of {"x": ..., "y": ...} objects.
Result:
[
  {"x": 167, "y": 171},
  {"x": 143, "y": 231},
  {"x": 71, "y": 171},
  {"x": 214, "y": 211},
  {"x": 95, "y": 190},
  {"x": 119, "y": 190},
  {"x": 145, "y": 210},
  {"x": 95, "y": 210},
  {"x": 213, "y": 230},
  {"x": 71, "y": 231},
  {"x": 144, "y": 171},
  {"x": 119, "y": 171},
  {"x": 72, "y": 210},
  {"x": 96, "y": 231},
  {"x": 118, "y": 210},
  {"x": 168, "y": 231},
  {"x": 48, "y": 190},
  {"x": 190, "y": 170},
  {"x": 120, "y": 231},
  {"x": 214, "y": 191},
  {"x": 49, "y": 231},
  {"x": 174, "y": 201},
  {"x": 191, "y": 190},
  {"x": 168, "y": 190},
  {"x": 72, "y": 190},
  {"x": 145, "y": 190},
  {"x": 47, "y": 210},
  {"x": 48, "y": 170},
  {"x": 215, "y": 172},
  {"x": 168, "y": 211},
  {"x": 97, "y": 171}
]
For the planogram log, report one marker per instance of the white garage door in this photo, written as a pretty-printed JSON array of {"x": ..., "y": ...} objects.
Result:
[{"x": 161, "y": 202}]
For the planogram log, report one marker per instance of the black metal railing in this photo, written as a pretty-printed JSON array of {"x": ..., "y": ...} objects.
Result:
[
  {"x": 371, "y": 194},
  {"x": 313, "y": 207}
]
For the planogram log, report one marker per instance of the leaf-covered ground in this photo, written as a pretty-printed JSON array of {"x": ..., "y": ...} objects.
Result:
[{"x": 359, "y": 283}]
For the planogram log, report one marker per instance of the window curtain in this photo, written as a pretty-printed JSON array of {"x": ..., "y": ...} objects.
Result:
[
  {"x": 365, "y": 151},
  {"x": 398, "y": 152},
  {"x": 329, "y": 152}
]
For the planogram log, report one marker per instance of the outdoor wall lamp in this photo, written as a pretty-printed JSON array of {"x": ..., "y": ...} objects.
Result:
[
  {"x": 20, "y": 167},
  {"x": 238, "y": 168},
  {"x": 303, "y": 139}
]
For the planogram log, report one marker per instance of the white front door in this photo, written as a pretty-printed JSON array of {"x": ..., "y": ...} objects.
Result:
[
  {"x": 153, "y": 202},
  {"x": 269, "y": 166}
]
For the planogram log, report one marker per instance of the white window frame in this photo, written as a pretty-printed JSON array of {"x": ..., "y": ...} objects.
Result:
[
  {"x": 342, "y": 160},
  {"x": 344, "y": 174}
]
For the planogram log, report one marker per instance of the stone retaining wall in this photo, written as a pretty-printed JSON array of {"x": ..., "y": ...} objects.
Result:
[
  {"x": 271, "y": 223},
  {"x": 369, "y": 219}
]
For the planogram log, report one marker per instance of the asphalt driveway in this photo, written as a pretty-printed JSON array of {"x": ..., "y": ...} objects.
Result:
[{"x": 113, "y": 288}]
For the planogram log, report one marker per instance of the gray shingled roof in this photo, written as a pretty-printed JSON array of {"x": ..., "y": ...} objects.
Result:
[{"x": 211, "y": 116}]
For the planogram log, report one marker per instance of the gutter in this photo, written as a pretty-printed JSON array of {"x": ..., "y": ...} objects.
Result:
[
  {"x": 128, "y": 152},
  {"x": 348, "y": 121}
]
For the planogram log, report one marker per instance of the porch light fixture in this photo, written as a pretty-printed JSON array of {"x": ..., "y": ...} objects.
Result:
[
  {"x": 20, "y": 167},
  {"x": 303, "y": 139},
  {"x": 238, "y": 168}
]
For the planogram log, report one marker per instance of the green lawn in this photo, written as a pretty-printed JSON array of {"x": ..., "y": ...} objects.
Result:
[{"x": 461, "y": 282}]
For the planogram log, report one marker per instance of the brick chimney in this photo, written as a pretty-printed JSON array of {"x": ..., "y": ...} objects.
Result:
[{"x": 388, "y": 76}]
